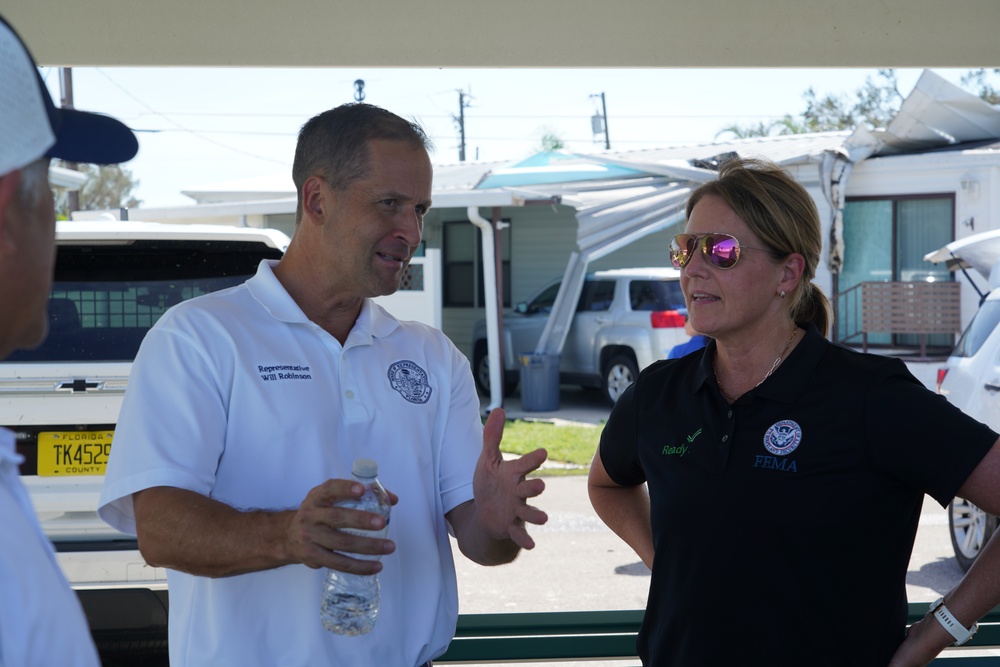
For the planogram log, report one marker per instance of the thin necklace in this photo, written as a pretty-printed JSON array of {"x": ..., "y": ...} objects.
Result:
[{"x": 730, "y": 397}]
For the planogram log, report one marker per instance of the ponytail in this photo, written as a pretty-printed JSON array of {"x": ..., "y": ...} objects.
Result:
[{"x": 812, "y": 308}]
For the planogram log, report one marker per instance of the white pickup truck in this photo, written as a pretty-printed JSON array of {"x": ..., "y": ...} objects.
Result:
[{"x": 113, "y": 280}]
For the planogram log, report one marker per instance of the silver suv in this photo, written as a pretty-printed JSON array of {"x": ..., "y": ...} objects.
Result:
[
  {"x": 625, "y": 320},
  {"x": 113, "y": 280}
]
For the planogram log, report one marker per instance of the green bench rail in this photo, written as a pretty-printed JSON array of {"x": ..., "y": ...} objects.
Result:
[{"x": 610, "y": 635}]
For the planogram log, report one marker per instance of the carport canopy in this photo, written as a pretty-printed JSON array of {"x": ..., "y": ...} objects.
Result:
[{"x": 516, "y": 33}]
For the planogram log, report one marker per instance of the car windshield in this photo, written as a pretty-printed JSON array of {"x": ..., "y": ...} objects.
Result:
[
  {"x": 106, "y": 297},
  {"x": 656, "y": 295},
  {"x": 979, "y": 329},
  {"x": 544, "y": 301}
]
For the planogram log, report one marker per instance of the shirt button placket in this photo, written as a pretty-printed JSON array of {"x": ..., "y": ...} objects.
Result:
[
  {"x": 726, "y": 440},
  {"x": 354, "y": 408},
  {"x": 730, "y": 426}
]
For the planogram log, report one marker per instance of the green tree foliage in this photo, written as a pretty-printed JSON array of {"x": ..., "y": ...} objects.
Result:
[
  {"x": 874, "y": 105},
  {"x": 107, "y": 187},
  {"x": 979, "y": 79},
  {"x": 552, "y": 142},
  {"x": 787, "y": 125}
]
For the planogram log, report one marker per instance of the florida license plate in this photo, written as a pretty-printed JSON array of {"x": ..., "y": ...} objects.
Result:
[{"x": 64, "y": 453}]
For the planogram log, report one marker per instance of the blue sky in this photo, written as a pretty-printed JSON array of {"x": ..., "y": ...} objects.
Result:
[{"x": 207, "y": 125}]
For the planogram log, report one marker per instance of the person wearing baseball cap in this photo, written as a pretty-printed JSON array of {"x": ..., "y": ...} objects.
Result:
[{"x": 41, "y": 620}]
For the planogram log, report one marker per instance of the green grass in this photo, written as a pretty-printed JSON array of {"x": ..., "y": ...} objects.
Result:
[{"x": 566, "y": 444}]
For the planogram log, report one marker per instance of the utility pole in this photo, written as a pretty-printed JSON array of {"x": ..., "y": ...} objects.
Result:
[
  {"x": 463, "y": 102},
  {"x": 66, "y": 92},
  {"x": 599, "y": 122}
]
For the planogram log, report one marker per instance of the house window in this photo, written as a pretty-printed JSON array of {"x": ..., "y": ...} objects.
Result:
[
  {"x": 885, "y": 239},
  {"x": 413, "y": 277},
  {"x": 463, "y": 265}
]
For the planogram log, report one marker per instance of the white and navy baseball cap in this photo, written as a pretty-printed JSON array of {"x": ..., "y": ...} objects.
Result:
[{"x": 31, "y": 127}]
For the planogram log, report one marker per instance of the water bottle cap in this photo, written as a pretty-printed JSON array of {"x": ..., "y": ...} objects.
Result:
[{"x": 364, "y": 468}]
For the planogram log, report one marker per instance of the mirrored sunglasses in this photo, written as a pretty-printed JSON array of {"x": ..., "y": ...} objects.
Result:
[{"x": 720, "y": 250}]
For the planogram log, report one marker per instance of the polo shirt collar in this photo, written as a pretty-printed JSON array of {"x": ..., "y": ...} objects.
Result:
[
  {"x": 271, "y": 294},
  {"x": 789, "y": 380},
  {"x": 373, "y": 321},
  {"x": 704, "y": 377}
]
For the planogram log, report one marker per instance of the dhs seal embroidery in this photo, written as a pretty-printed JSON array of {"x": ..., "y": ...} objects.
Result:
[
  {"x": 783, "y": 437},
  {"x": 410, "y": 381}
]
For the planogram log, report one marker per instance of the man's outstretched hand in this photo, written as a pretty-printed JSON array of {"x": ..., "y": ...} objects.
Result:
[{"x": 501, "y": 490}]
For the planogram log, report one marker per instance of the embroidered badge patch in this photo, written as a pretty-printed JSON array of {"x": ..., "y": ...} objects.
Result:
[
  {"x": 410, "y": 381},
  {"x": 783, "y": 437}
]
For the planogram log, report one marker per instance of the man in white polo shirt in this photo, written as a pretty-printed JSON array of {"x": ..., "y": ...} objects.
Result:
[
  {"x": 246, "y": 408},
  {"x": 41, "y": 622}
]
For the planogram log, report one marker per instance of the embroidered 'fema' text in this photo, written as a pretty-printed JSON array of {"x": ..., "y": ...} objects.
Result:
[{"x": 774, "y": 463}]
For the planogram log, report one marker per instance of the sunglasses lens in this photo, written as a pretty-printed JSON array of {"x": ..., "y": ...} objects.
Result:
[
  {"x": 681, "y": 247},
  {"x": 721, "y": 250}
]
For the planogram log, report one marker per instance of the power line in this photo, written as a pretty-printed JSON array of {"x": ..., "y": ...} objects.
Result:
[
  {"x": 447, "y": 116},
  {"x": 226, "y": 114},
  {"x": 187, "y": 130},
  {"x": 242, "y": 132},
  {"x": 625, "y": 116}
]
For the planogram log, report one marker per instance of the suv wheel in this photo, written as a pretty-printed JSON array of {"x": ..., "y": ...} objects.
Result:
[
  {"x": 481, "y": 372},
  {"x": 971, "y": 528},
  {"x": 619, "y": 373}
]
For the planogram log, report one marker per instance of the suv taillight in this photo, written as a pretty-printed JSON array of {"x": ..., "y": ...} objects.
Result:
[
  {"x": 666, "y": 319},
  {"x": 940, "y": 377}
]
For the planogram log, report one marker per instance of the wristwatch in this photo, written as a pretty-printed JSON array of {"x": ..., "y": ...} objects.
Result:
[{"x": 961, "y": 634}]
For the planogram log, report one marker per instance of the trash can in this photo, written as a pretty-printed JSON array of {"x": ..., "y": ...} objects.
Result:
[{"x": 539, "y": 381}]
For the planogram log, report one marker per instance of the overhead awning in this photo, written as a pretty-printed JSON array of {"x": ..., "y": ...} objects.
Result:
[
  {"x": 617, "y": 218},
  {"x": 938, "y": 113},
  {"x": 554, "y": 167},
  {"x": 61, "y": 177}
]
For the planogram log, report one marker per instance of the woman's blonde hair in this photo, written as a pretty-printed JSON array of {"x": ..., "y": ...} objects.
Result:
[{"x": 783, "y": 215}]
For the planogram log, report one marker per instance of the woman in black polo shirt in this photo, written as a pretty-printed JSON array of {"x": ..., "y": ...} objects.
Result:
[{"x": 767, "y": 453}]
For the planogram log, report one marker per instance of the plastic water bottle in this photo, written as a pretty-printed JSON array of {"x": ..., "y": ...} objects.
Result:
[{"x": 350, "y": 601}]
